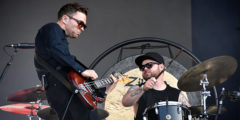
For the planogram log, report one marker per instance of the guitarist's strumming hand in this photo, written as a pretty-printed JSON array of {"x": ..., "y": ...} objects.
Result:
[
  {"x": 110, "y": 87},
  {"x": 88, "y": 88},
  {"x": 89, "y": 74}
]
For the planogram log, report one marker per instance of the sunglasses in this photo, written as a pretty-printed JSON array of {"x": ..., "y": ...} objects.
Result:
[
  {"x": 148, "y": 65},
  {"x": 80, "y": 23}
]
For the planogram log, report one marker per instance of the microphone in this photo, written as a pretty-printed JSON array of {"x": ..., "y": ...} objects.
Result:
[{"x": 22, "y": 45}]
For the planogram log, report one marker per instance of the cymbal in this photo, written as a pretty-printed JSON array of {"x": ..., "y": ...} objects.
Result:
[
  {"x": 50, "y": 114},
  {"x": 25, "y": 109},
  {"x": 28, "y": 95},
  {"x": 211, "y": 110},
  {"x": 218, "y": 70}
]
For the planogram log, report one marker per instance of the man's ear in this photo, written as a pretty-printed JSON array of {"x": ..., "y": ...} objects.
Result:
[
  {"x": 161, "y": 67},
  {"x": 65, "y": 18}
]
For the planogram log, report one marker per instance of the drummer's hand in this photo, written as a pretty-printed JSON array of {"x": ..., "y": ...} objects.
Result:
[
  {"x": 90, "y": 74},
  {"x": 149, "y": 84}
]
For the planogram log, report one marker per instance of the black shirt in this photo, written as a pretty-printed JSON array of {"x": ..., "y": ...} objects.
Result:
[
  {"x": 152, "y": 96},
  {"x": 52, "y": 46}
]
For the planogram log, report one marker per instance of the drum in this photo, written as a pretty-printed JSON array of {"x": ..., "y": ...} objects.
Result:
[{"x": 167, "y": 110}]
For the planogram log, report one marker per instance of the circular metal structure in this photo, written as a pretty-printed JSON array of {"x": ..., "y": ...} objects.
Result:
[{"x": 141, "y": 40}]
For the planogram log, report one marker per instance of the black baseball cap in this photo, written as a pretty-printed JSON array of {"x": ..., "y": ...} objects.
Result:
[{"x": 150, "y": 55}]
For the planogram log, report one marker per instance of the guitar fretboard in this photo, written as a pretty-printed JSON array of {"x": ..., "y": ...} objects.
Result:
[{"x": 102, "y": 83}]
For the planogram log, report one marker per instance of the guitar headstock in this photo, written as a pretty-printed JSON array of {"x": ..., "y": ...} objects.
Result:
[{"x": 122, "y": 78}]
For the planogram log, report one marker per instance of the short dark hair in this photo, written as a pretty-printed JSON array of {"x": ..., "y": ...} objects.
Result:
[{"x": 71, "y": 8}]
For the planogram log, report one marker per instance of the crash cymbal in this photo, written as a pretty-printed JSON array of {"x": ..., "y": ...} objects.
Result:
[
  {"x": 25, "y": 109},
  {"x": 48, "y": 114},
  {"x": 211, "y": 110},
  {"x": 28, "y": 95},
  {"x": 218, "y": 70}
]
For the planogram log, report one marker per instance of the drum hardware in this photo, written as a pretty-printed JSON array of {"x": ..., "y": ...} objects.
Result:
[
  {"x": 32, "y": 109},
  {"x": 25, "y": 109},
  {"x": 166, "y": 111},
  {"x": 204, "y": 95},
  {"x": 220, "y": 104},
  {"x": 28, "y": 95},
  {"x": 218, "y": 70},
  {"x": 178, "y": 110},
  {"x": 168, "y": 117},
  {"x": 50, "y": 114},
  {"x": 196, "y": 111},
  {"x": 156, "y": 111},
  {"x": 208, "y": 73},
  {"x": 33, "y": 96},
  {"x": 232, "y": 95}
]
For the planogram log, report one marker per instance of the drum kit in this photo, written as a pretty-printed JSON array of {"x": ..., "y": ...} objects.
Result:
[
  {"x": 34, "y": 109},
  {"x": 200, "y": 77},
  {"x": 33, "y": 96}
]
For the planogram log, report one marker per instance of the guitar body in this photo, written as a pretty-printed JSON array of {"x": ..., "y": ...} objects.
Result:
[{"x": 87, "y": 93}]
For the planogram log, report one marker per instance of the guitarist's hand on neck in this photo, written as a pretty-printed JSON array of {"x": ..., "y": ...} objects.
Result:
[
  {"x": 89, "y": 74},
  {"x": 110, "y": 87}
]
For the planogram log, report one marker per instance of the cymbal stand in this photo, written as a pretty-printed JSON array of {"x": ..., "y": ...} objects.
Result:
[
  {"x": 204, "y": 95},
  {"x": 30, "y": 117},
  {"x": 39, "y": 102}
]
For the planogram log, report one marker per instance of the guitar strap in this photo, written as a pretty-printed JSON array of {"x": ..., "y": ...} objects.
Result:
[{"x": 56, "y": 74}]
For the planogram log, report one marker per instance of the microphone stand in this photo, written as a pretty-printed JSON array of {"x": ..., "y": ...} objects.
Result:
[
  {"x": 8, "y": 64},
  {"x": 220, "y": 104}
]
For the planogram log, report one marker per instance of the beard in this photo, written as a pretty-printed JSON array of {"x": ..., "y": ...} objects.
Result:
[{"x": 149, "y": 75}]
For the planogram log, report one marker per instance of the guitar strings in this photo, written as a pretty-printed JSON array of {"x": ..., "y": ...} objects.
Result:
[
  {"x": 92, "y": 83},
  {"x": 101, "y": 81}
]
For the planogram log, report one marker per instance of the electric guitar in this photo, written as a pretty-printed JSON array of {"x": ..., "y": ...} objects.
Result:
[{"x": 88, "y": 89}]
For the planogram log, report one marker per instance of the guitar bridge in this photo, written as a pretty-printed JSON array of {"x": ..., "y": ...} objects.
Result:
[{"x": 81, "y": 86}]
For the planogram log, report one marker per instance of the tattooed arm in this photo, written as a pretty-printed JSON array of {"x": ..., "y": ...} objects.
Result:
[
  {"x": 135, "y": 92},
  {"x": 132, "y": 96},
  {"x": 183, "y": 99}
]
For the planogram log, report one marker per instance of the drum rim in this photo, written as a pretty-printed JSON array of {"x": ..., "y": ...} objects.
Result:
[{"x": 170, "y": 103}]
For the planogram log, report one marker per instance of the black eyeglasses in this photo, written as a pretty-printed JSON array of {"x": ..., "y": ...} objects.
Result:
[
  {"x": 148, "y": 65},
  {"x": 80, "y": 23}
]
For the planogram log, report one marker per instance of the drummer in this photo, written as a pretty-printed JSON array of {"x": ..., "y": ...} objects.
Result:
[{"x": 155, "y": 88}]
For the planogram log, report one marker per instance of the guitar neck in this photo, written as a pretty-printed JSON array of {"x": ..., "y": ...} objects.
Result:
[{"x": 102, "y": 83}]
